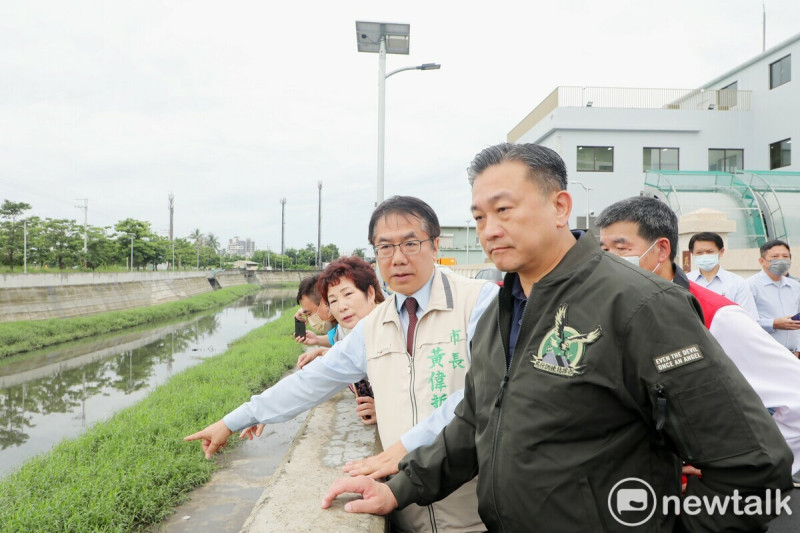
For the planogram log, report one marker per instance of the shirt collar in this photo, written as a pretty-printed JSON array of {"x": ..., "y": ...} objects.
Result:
[
  {"x": 516, "y": 290},
  {"x": 679, "y": 277},
  {"x": 422, "y": 296},
  {"x": 769, "y": 281}
]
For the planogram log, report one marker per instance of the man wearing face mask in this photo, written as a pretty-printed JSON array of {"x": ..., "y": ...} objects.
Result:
[
  {"x": 626, "y": 228},
  {"x": 777, "y": 297},
  {"x": 707, "y": 248}
]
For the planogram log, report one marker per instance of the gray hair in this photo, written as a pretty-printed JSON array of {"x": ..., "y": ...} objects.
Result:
[
  {"x": 654, "y": 218},
  {"x": 546, "y": 168}
]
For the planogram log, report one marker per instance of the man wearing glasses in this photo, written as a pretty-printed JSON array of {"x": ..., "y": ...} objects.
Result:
[{"x": 414, "y": 348}]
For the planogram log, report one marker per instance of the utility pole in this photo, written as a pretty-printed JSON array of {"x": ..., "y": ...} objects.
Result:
[
  {"x": 319, "y": 226},
  {"x": 283, "y": 227},
  {"x": 131, "y": 235},
  {"x": 85, "y": 208},
  {"x": 171, "y": 228},
  {"x": 25, "y": 245}
]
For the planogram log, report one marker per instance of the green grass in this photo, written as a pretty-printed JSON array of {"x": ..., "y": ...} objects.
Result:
[
  {"x": 130, "y": 471},
  {"x": 28, "y": 335}
]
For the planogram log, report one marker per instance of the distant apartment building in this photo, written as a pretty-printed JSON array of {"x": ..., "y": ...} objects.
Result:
[
  {"x": 243, "y": 247},
  {"x": 726, "y": 145}
]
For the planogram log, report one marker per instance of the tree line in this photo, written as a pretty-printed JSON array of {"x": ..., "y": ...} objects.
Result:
[{"x": 56, "y": 243}]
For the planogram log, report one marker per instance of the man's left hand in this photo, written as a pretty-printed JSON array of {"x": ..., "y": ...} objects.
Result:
[{"x": 377, "y": 497}]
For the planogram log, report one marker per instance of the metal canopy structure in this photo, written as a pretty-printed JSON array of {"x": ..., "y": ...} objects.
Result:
[{"x": 764, "y": 204}]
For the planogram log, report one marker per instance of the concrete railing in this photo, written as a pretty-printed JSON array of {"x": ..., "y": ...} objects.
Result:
[{"x": 331, "y": 435}]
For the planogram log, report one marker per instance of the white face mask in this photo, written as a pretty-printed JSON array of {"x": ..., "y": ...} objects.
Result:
[
  {"x": 634, "y": 259},
  {"x": 706, "y": 262}
]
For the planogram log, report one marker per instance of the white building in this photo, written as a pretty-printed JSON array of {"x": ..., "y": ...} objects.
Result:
[
  {"x": 743, "y": 120},
  {"x": 461, "y": 244},
  {"x": 243, "y": 247}
]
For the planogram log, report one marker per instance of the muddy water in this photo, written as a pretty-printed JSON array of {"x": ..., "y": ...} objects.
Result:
[{"x": 57, "y": 393}]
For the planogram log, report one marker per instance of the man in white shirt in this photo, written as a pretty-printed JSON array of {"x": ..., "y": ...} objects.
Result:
[
  {"x": 707, "y": 249},
  {"x": 777, "y": 297}
]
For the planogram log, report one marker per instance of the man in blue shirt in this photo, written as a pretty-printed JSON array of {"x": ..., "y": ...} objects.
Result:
[{"x": 777, "y": 297}]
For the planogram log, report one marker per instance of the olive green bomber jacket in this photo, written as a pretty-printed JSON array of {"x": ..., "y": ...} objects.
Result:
[{"x": 614, "y": 378}]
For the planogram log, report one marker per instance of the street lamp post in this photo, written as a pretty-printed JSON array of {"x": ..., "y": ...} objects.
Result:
[
  {"x": 468, "y": 220},
  {"x": 25, "y": 246},
  {"x": 385, "y": 38},
  {"x": 319, "y": 226},
  {"x": 131, "y": 235},
  {"x": 283, "y": 226},
  {"x": 587, "y": 189}
]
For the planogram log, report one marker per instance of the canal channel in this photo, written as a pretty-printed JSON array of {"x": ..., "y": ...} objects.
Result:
[{"x": 59, "y": 392}]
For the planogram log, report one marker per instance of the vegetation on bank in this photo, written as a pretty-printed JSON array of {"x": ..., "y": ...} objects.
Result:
[
  {"x": 28, "y": 335},
  {"x": 130, "y": 471}
]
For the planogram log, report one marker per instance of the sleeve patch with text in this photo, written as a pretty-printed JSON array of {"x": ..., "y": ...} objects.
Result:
[{"x": 678, "y": 358}]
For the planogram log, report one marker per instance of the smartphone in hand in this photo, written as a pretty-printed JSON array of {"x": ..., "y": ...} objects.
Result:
[
  {"x": 299, "y": 328},
  {"x": 796, "y": 317}
]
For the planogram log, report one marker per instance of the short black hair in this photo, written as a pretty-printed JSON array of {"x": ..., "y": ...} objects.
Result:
[
  {"x": 654, "y": 218},
  {"x": 545, "y": 166},
  {"x": 706, "y": 236},
  {"x": 308, "y": 287},
  {"x": 767, "y": 246},
  {"x": 409, "y": 206}
]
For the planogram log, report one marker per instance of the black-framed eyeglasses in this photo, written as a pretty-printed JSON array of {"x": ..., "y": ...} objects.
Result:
[{"x": 406, "y": 247}]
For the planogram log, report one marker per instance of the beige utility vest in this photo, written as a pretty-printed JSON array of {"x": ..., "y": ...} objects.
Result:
[{"x": 408, "y": 389}]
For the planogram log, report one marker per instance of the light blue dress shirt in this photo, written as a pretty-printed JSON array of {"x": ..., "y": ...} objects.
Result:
[
  {"x": 345, "y": 363},
  {"x": 776, "y": 299},
  {"x": 729, "y": 285}
]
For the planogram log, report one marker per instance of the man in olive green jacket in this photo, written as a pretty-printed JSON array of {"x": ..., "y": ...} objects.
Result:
[{"x": 579, "y": 406}]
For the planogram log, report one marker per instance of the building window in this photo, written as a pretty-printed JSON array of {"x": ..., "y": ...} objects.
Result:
[
  {"x": 780, "y": 154},
  {"x": 660, "y": 159},
  {"x": 725, "y": 159},
  {"x": 727, "y": 95},
  {"x": 780, "y": 72},
  {"x": 596, "y": 158}
]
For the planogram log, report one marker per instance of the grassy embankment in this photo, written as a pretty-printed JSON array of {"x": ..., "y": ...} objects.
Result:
[
  {"x": 28, "y": 335},
  {"x": 128, "y": 472}
]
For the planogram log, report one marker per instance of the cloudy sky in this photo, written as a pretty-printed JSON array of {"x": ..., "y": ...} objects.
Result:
[{"x": 231, "y": 106}]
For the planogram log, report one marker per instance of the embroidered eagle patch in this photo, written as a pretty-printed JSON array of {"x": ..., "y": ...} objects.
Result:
[{"x": 563, "y": 346}]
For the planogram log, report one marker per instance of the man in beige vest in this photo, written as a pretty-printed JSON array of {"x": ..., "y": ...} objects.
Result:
[{"x": 414, "y": 348}]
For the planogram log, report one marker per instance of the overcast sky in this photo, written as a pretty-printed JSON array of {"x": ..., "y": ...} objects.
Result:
[{"x": 231, "y": 106}]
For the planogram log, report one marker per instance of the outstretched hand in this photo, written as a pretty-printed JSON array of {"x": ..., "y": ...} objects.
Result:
[
  {"x": 378, "y": 466},
  {"x": 377, "y": 497},
  {"x": 214, "y": 437}
]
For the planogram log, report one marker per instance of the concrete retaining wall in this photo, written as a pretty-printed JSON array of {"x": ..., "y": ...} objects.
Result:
[
  {"x": 59, "y": 279},
  {"x": 331, "y": 435},
  {"x": 61, "y": 295},
  {"x": 61, "y": 301}
]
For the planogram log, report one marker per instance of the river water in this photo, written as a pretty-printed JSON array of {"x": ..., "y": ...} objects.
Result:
[{"x": 59, "y": 392}]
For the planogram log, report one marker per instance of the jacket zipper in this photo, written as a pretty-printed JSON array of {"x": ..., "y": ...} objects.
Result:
[
  {"x": 499, "y": 404},
  {"x": 663, "y": 411},
  {"x": 411, "y": 393}
]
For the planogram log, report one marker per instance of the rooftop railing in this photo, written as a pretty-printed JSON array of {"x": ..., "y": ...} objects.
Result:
[{"x": 634, "y": 98}]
